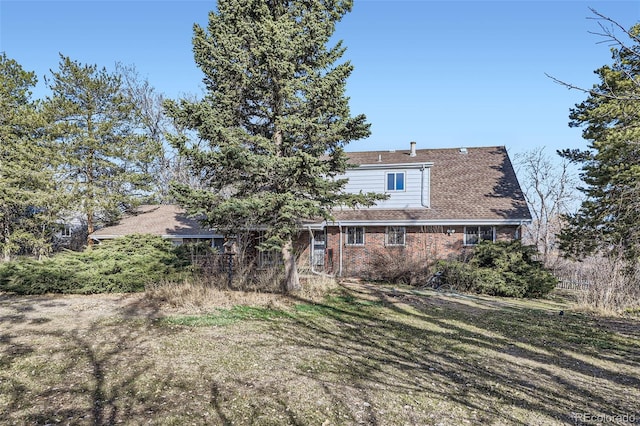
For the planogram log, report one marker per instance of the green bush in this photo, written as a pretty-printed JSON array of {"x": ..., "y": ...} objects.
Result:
[
  {"x": 458, "y": 275},
  {"x": 500, "y": 269},
  {"x": 125, "y": 264}
]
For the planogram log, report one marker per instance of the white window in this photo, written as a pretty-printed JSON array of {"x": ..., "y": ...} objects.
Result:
[
  {"x": 474, "y": 234},
  {"x": 396, "y": 235},
  {"x": 355, "y": 235},
  {"x": 66, "y": 231},
  {"x": 395, "y": 181}
]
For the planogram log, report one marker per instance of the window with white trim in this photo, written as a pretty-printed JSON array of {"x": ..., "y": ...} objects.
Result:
[
  {"x": 395, "y": 181},
  {"x": 66, "y": 231},
  {"x": 396, "y": 235},
  {"x": 355, "y": 235},
  {"x": 474, "y": 234}
]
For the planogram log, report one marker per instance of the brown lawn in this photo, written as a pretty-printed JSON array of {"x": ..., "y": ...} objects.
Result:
[{"x": 367, "y": 354}]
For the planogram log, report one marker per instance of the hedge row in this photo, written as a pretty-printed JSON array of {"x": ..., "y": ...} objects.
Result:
[{"x": 125, "y": 264}]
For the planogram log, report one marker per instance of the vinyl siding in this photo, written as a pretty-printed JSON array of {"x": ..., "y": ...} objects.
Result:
[{"x": 375, "y": 180}]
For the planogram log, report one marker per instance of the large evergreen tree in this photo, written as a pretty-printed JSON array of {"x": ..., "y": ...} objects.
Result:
[
  {"x": 96, "y": 127},
  {"x": 275, "y": 119},
  {"x": 28, "y": 200},
  {"x": 610, "y": 116}
]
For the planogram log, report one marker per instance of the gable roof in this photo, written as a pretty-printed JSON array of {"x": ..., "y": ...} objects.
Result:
[
  {"x": 165, "y": 220},
  {"x": 478, "y": 186},
  {"x": 471, "y": 185}
]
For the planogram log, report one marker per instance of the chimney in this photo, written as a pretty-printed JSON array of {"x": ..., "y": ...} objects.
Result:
[{"x": 413, "y": 149}]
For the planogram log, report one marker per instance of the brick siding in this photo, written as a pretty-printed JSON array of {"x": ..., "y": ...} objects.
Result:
[{"x": 427, "y": 243}]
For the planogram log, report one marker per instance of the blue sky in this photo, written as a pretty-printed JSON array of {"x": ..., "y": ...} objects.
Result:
[{"x": 441, "y": 73}]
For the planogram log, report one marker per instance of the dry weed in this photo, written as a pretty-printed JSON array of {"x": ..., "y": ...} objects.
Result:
[
  {"x": 367, "y": 356},
  {"x": 608, "y": 285},
  {"x": 399, "y": 268},
  {"x": 201, "y": 294}
]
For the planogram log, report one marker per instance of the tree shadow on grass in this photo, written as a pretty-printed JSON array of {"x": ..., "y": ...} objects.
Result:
[
  {"x": 363, "y": 356},
  {"x": 82, "y": 375},
  {"x": 497, "y": 363}
]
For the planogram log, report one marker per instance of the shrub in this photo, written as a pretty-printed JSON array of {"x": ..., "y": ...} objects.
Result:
[
  {"x": 458, "y": 275},
  {"x": 398, "y": 267},
  {"x": 500, "y": 269},
  {"x": 122, "y": 265}
]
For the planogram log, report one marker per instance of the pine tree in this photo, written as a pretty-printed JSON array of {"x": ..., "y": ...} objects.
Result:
[
  {"x": 608, "y": 218},
  {"x": 275, "y": 120},
  {"x": 95, "y": 127},
  {"x": 28, "y": 200}
]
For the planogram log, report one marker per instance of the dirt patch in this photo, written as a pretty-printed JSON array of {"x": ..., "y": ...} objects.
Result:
[{"x": 52, "y": 312}]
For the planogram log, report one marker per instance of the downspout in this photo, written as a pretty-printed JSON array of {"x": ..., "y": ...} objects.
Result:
[
  {"x": 520, "y": 231},
  {"x": 340, "y": 251},
  {"x": 422, "y": 203}
]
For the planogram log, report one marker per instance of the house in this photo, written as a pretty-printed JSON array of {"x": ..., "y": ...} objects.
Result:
[
  {"x": 70, "y": 231},
  {"x": 165, "y": 220},
  {"x": 441, "y": 202}
]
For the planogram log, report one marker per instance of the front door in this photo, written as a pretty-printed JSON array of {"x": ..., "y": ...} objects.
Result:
[{"x": 318, "y": 247}]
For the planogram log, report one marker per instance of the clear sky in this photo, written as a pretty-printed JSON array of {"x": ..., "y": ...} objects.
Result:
[{"x": 441, "y": 73}]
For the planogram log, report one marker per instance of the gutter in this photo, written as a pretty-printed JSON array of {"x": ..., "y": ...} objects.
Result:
[
  {"x": 165, "y": 236},
  {"x": 432, "y": 222}
]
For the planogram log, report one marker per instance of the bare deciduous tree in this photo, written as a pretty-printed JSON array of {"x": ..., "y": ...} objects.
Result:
[
  {"x": 607, "y": 32},
  {"x": 550, "y": 190},
  {"x": 169, "y": 166}
]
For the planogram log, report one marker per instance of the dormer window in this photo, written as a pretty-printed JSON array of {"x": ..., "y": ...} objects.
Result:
[{"x": 395, "y": 181}]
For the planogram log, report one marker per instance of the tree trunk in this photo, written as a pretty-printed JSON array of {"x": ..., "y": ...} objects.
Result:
[
  {"x": 90, "y": 189},
  {"x": 90, "y": 228},
  {"x": 6, "y": 256},
  {"x": 291, "y": 277},
  {"x": 6, "y": 252}
]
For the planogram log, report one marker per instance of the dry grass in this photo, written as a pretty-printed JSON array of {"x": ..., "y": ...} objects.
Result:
[
  {"x": 366, "y": 354},
  {"x": 611, "y": 286},
  {"x": 202, "y": 294}
]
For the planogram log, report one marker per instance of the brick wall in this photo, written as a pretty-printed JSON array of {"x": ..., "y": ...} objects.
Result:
[
  {"x": 421, "y": 244},
  {"x": 426, "y": 243}
]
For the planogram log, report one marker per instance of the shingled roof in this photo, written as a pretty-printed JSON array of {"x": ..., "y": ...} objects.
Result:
[
  {"x": 474, "y": 185},
  {"x": 470, "y": 184},
  {"x": 168, "y": 221}
]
